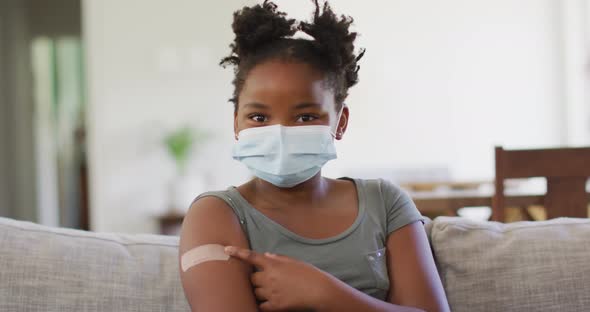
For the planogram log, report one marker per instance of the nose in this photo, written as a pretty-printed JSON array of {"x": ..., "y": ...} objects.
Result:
[
  {"x": 283, "y": 121},
  {"x": 286, "y": 121}
]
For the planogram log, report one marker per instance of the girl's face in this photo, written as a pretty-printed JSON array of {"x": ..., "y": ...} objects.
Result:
[{"x": 290, "y": 94}]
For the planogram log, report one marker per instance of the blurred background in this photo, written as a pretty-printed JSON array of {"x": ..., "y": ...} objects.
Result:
[{"x": 114, "y": 114}]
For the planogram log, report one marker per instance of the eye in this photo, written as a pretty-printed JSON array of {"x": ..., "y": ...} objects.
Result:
[
  {"x": 306, "y": 118},
  {"x": 258, "y": 118}
]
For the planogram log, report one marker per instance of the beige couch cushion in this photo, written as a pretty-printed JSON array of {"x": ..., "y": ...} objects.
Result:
[
  {"x": 54, "y": 269},
  {"x": 523, "y": 266}
]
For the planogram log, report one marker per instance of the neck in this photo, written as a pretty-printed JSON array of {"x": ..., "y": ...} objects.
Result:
[{"x": 307, "y": 192}]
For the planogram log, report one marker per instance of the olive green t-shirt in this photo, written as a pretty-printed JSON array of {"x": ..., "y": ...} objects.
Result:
[{"x": 355, "y": 256}]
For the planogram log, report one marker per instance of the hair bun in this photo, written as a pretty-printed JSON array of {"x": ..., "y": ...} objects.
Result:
[
  {"x": 258, "y": 25},
  {"x": 334, "y": 39}
]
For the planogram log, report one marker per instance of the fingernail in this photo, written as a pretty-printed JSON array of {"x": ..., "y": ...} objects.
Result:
[{"x": 230, "y": 250}]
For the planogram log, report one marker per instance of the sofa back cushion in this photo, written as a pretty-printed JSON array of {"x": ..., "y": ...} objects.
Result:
[
  {"x": 51, "y": 269},
  {"x": 523, "y": 266}
]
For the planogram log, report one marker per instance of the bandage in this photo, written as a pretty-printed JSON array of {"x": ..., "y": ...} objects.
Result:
[{"x": 202, "y": 254}]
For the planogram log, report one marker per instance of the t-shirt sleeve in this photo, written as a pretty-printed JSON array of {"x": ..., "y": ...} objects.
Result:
[{"x": 400, "y": 209}]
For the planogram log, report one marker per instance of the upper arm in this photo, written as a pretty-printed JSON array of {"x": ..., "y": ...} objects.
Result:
[
  {"x": 413, "y": 275},
  {"x": 215, "y": 285}
]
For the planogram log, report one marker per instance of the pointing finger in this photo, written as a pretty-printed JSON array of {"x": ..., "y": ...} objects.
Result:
[
  {"x": 277, "y": 257},
  {"x": 246, "y": 255}
]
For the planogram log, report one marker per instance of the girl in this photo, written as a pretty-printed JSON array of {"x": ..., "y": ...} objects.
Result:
[{"x": 299, "y": 241}]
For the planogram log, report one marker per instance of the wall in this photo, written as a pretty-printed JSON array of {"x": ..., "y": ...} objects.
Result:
[
  {"x": 441, "y": 84},
  {"x": 17, "y": 173},
  {"x": 5, "y": 199},
  {"x": 575, "y": 16}
]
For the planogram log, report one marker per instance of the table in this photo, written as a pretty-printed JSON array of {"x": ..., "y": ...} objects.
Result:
[
  {"x": 449, "y": 201},
  {"x": 171, "y": 222},
  {"x": 441, "y": 201}
]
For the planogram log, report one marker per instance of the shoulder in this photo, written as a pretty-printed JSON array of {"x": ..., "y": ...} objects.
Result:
[
  {"x": 206, "y": 216},
  {"x": 399, "y": 207},
  {"x": 210, "y": 203},
  {"x": 391, "y": 193}
]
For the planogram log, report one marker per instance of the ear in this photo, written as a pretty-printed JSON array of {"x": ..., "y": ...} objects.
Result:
[{"x": 343, "y": 122}]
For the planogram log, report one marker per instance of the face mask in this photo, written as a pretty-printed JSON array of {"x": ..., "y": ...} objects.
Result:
[{"x": 285, "y": 156}]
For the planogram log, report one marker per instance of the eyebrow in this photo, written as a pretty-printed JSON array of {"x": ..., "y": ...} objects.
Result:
[
  {"x": 306, "y": 105},
  {"x": 256, "y": 105},
  {"x": 300, "y": 106}
]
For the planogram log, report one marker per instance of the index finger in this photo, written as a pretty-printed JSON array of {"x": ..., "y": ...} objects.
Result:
[{"x": 246, "y": 255}]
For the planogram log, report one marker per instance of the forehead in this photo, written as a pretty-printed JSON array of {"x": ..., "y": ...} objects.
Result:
[{"x": 285, "y": 82}]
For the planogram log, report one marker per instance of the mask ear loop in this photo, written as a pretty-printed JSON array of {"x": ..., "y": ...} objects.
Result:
[{"x": 333, "y": 133}]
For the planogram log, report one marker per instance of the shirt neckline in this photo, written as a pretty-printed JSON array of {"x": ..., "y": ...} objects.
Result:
[{"x": 359, "y": 186}]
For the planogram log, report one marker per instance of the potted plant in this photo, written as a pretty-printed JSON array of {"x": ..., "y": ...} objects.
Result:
[{"x": 180, "y": 143}]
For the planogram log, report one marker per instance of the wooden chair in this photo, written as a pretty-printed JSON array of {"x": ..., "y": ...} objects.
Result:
[{"x": 566, "y": 170}]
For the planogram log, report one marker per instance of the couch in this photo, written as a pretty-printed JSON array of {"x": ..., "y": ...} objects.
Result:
[{"x": 484, "y": 266}]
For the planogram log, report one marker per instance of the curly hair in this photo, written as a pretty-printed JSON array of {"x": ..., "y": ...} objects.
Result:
[{"x": 263, "y": 33}]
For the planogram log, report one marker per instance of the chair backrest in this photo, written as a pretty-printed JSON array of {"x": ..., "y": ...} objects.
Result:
[{"x": 566, "y": 170}]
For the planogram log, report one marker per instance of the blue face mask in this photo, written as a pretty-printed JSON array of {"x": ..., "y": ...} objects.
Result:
[{"x": 285, "y": 156}]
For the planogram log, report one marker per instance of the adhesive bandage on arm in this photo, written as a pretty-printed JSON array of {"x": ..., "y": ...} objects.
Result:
[{"x": 202, "y": 254}]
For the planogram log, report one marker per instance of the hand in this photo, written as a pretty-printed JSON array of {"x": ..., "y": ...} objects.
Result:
[{"x": 283, "y": 283}]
